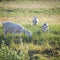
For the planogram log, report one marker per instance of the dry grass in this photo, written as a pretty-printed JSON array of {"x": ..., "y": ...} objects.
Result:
[
  {"x": 27, "y": 18},
  {"x": 31, "y": 4}
]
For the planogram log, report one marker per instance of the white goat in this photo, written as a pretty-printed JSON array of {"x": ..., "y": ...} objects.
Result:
[
  {"x": 15, "y": 29},
  {"x": 45, "y": 27},
  {"x": 35, "y": 20}
]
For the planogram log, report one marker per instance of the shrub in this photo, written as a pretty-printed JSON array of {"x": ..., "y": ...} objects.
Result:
[{"x": 10, "y": 54}]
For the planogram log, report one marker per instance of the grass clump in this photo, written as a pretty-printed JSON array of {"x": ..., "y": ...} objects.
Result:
[
  {"x": 46, "y": 45},
  {"x": 7, "y": 53},
  {"x": 11, "y": 12}
]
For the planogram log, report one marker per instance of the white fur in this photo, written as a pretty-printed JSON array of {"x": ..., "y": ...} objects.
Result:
[
  {"x": 35, "y": 20},
  {"x": 15, "y": 28},
  {"x": 45, "y": 27}
]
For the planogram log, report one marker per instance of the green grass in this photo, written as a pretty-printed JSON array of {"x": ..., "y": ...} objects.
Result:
[
  {"x": 24, "y": 11},
  {"x": 5, "y": 7},
  {"x": 10, "y": 12},
  {"x": 39, "y": 42},
  {"x": 41, "y": 46}
]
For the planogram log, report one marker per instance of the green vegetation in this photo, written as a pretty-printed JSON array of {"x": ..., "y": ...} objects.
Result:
[
  {"x": 12, "y": 54},
  {"x": 41, "y": 46},
  {"x": 18, "y": 11}
]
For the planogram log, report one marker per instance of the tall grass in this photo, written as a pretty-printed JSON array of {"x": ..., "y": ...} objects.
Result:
[
  {"x": 8, "y": 12},
  {"x": 47, "y": 44},
  {"x": 41, "y": 46},
  {"x": 38, "y": 34}
]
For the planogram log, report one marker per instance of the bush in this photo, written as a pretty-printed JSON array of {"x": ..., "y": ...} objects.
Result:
[{"x": 10, "y": 54}]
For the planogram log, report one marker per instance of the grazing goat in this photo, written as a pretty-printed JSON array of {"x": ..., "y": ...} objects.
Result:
[
  {"x": 35, "y": 20},
  {"x": 15, "y": 29},
  {"x": 45, "y": 27}
]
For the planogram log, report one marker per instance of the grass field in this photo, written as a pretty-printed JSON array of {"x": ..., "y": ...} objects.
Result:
[
  {"x": 41, "y": 46},
  {"x": 19, "y": 11}
]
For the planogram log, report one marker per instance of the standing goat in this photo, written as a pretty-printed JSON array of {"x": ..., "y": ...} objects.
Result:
[
  {"x": 35, "y": 20},
  {"x": 15, "y": 29},
  {"x": 45, "y": 27}
]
